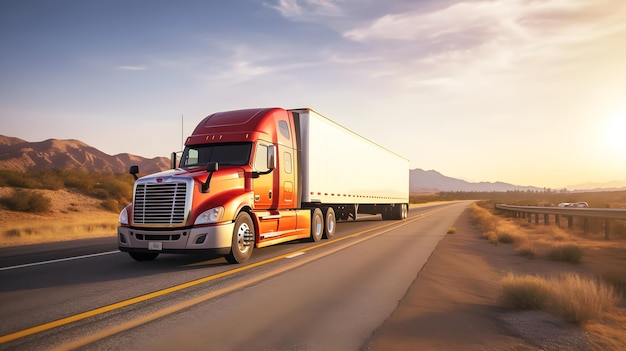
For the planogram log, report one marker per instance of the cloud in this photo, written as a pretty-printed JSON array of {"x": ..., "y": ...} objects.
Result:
[
  {"x": 244, "y": 62},
  {"x": 478, "y": 39},
  {"x": 133, "y": 68},
  {"x": 305, "y": 9}
]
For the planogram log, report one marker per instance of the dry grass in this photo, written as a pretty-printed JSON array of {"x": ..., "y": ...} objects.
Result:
[
  {"x": 524, "y": 292},
  {"x": 579, "y": 299},
  {"x": 526, "y": 248},
  {"x": 566, "y": 252},
  {"x": 608, "y": 333},
  {"x": 593, "y": 302},
  {"x": 495, "y": 230},
  {"x": 571, "y": 297},
  {"x": 71, "y": 216},
  {"x": 58, "y": 230}
]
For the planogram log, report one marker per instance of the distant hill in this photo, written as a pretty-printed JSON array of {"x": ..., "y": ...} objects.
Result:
[
  {"x": 430, "y": 181},
  {"x": 615, "y": 185},
  {"x": 20, "y": 155}
]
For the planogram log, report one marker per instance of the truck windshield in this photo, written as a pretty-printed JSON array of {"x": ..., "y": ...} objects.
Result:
[{"x": 233, "y": 154}]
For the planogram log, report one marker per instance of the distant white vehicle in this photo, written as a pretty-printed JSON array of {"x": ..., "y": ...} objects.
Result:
[{"x": 573, "y": 204}]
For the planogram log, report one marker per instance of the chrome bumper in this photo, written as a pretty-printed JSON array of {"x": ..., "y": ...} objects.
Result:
[{"x": 175, "y": 240}]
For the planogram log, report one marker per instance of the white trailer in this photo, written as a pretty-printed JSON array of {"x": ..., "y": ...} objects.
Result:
[{"x": 340, "y": 167}]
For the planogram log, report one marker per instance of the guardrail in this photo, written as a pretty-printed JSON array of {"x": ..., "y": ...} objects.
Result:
[{"x": 527, "y": 211}]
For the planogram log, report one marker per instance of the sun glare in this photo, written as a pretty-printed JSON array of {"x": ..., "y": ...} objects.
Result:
[{"x": 616, "y": 131}]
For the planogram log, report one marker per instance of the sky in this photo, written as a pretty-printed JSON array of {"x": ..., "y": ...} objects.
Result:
[{"x": 528, "y": 92}]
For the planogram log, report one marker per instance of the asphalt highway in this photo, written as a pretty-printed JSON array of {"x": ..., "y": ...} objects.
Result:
[{"x": 333, "y": 294}]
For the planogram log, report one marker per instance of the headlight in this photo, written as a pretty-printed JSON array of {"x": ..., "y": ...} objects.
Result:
[
  {"x": 213, "y": 215},
  {"x": 123, "y": 217}
]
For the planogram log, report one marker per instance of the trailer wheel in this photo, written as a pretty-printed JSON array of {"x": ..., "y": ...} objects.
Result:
[
  {"x": 317, "y": 225},
  {"x": 400, "y": 212},
  {"x": 405, "y": 211},
  {"x": 330, "y": 223},
  {"x": 243, "y": 239},
  {"x": 143, "y": 256}
]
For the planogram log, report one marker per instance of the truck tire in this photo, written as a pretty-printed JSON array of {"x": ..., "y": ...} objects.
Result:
[
  {"x": 400, "y": 212},
  {"x": 317, "y": 225},
  {"x": 243, "y": 239},
  {"x": 330, "y": 223},
  {"x": 143, "y": 256}
]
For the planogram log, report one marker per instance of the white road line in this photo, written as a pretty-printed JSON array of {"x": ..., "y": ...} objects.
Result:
[
  {"x": 59, "y": 260},
  {"x": 295, "y": 255}
]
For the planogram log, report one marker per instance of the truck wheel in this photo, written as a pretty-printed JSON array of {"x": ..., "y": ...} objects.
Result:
[
  {"x": 330, "y": 223},
  {"x": 405, "y": 211},
  {"x": 143, "y": 256},
  {"x": 400, "y": 212},
  {"x": 317, "y": 225},
  {"x": 243, "y": 239}
]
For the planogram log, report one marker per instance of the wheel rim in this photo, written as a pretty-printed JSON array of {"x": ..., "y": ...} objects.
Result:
[
  {"x": 241, "y": 232},
  {"x": 318, "y": 226},
  {"x": 331, "y": 226}
]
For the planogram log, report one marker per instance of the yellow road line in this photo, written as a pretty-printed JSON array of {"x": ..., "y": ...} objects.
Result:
[{"x": 159, "y": 293}]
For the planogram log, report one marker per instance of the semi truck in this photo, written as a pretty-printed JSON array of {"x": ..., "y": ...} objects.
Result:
[{"x": 252, "y": 178}]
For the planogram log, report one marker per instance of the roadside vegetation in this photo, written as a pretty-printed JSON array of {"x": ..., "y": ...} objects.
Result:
[
  {"x": 572, "y": 297},
  {"x": 54, "y": 205},
  {"x": 27, "y": 201},
  {"x": 113, "y": 190},
  {"x": 592, "y": 294}
]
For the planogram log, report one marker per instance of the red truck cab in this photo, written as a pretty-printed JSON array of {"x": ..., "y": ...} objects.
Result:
[{"x": 236, "y": 188}]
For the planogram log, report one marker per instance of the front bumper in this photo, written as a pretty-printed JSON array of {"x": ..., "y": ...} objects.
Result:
[{"x": 215, "y": 239}]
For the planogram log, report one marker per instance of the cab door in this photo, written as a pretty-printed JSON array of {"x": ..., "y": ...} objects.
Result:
[
  {"x": 264, "y": 197},
  {"x": 265, "y": 194}
]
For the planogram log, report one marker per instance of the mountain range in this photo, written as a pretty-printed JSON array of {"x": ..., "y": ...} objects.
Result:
[
  {"x": 431, "y": 181},
  {"x": 20, "y": 155}
]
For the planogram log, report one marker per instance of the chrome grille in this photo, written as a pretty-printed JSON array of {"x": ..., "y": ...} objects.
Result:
[{"x": 159, "y": 203}]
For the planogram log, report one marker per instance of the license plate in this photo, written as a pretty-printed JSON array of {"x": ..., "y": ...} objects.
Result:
[{"x": 155, "y": 245}]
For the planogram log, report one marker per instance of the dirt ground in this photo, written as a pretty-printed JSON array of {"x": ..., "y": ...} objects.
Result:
[{"x": 453, "y": 303}]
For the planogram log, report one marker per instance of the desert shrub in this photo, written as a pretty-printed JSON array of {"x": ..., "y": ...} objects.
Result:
[
  {"x": 568, "y": 253},
  {"x": 525, "y": 248},
  {"x": 571, "y": 297},
  {"x": 483, "y": 219},
  {"x": 507, "y": 238},
  {"x": 12, "y": 233},
  {"x": 27, "y": 201},
  {"x": 578, "y": 299},
  {"x": 491, "y": 236},
  {"x": 102, "y": 186},
  {"x": 525, "y": 292},
  {"x": 17, "y": 180},
  {"x": 110, "y": 205}
]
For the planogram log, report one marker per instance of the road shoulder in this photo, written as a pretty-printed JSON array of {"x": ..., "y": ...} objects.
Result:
[{"x": 452, "y": 304}]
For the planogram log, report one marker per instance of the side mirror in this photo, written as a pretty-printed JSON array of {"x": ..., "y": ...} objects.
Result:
[
  {"x": 271, "y": 157},
  {"x": 173, "y": 161},
  {"x": 210, "y": 167},
  {"x": 134, "y": 170}
]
